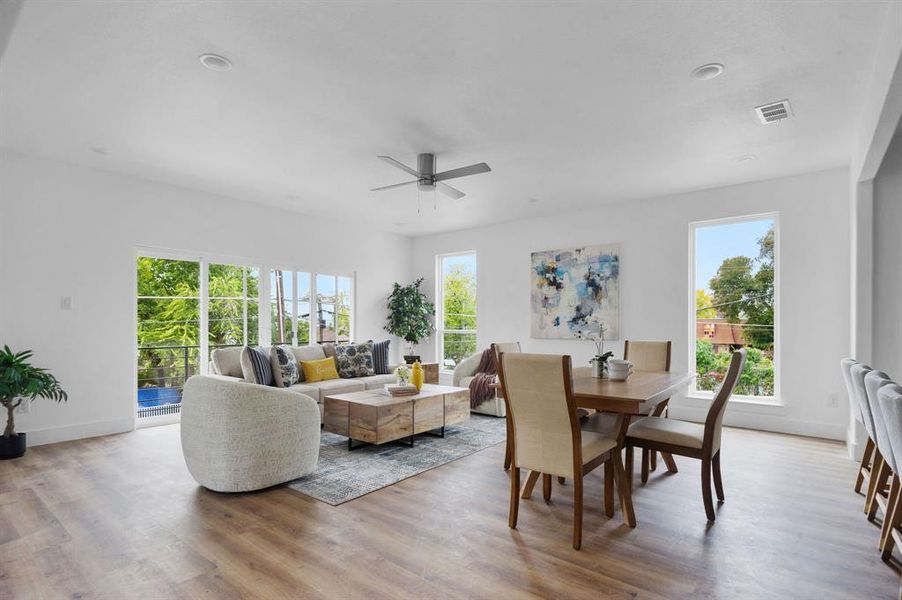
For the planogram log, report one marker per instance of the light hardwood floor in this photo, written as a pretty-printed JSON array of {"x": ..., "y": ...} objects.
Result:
[{"x": 120, "y": 517}]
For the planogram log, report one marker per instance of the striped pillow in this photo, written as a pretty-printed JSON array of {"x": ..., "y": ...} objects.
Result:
[
  {"x": 255, "y": 366},
  {"x": 380, "y": 357}
]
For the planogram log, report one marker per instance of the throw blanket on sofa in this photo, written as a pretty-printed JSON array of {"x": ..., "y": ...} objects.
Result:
[{"x": 486, "y": 374}]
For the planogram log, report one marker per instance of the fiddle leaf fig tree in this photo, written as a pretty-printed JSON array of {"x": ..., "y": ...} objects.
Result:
[
  {"x": 20, "y": 381},
  {"x": 409, "y": 313}
]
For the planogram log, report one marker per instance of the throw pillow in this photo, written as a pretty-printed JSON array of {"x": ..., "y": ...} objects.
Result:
[
  {"x": 319, "y": 370},
  {"x": 284, "y": 366},
  {"x": 308, "y": 352},
  {"x": 380, "y": 357},
  {"x": 354, "y": 360},
  {"x": 255, "y": 366}
]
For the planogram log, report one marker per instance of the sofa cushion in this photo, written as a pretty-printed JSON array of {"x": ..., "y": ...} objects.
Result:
[
  {"x": 380, "y": 357},
  {"x": 337, "y": 386},
  {"x": 375, "y": 382},
  {"x": 307, "y": 389},
  {"x": 284, "y": 366},
  {"x": 319, "y": 370},
  {"x": 354, "y": 360},
  {"x": 227, "y": 361},
  {"x": 255, "y": 366},
  {"x": 465, "y": 381},
  {"x": 308, "y": 352}
]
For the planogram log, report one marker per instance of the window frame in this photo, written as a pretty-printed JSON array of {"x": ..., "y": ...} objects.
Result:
[
  {"x": 694, "y": 393},
  {"x": 440, "y": 330},
  {"x": 313, "y": 302}
]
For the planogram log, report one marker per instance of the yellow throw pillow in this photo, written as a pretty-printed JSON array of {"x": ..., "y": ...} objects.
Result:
[{"x": 319, "y": 370}]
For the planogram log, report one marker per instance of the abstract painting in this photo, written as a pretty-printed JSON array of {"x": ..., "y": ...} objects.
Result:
[{"x": 574, "y": 290}]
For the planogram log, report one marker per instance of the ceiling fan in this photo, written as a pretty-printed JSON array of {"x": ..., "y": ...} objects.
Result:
[{"x": 428, "y": 180}]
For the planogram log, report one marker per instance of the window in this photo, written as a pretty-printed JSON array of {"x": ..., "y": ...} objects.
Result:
[
  {"x": 292, "y": 320},
  {"x": 233, "y": 306},
  {"x": 456, "y": 322},
  {"x": 734, "y": 303},
  {"x": 290, "y": 295},
  {"x": 169, "y": 331}
]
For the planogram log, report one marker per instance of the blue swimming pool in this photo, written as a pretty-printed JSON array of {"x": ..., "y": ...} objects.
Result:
[{"x": 158, "y": 396}]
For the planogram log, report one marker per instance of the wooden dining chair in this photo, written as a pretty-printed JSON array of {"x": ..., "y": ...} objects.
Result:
[
  {"x": 645, "y": 356},
  {"x": 873, "y": 381},
  {"x": 877, "y": 481},
  {"x": 545, "y": 436},
  {"x": 499, "y": 348},
  {"x": 863, "y": 475},
  {"x": 889, "y": 398},
  {"x": 692, "y": 440}
]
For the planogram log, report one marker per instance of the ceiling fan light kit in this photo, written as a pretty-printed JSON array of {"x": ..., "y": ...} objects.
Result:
[{"x": 427, "y": 180}]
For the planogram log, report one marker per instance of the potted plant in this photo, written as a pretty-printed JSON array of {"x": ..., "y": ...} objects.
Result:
[
  {"x": 409, "y": 313},
  {"x": 20, "y": 381},
  {"x": 599, "y": 362}
]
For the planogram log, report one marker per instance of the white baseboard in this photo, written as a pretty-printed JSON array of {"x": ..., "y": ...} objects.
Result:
[
  {"x": 77, "y": 431},
  {"x": 767, "y": 422}
]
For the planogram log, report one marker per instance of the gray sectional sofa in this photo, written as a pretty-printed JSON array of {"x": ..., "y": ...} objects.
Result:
[{"x": 226, "y": 364}]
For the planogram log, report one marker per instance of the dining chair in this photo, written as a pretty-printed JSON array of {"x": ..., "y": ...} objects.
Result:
[
  {"x": 889, "y": 398},
  {"x": 873, "y": 381},
  {"x": 693, "y": 440},
  {"x": 857, "y": 374},
  {"x": 644, "y": 356},
  {"x": 864, "y": 470},
  {"x": 499, "y": 348},
  {"x": 545, "y": 434}
]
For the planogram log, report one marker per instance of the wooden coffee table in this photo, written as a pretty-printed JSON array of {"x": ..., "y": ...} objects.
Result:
[{"x": 375, "y": 418}]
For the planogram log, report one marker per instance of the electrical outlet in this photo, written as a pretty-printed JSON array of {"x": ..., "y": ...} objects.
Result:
[
  {"x": 24, "y": 408},
  {"x": 65, "y": 302},
  {"x": 832, "y": 401}
]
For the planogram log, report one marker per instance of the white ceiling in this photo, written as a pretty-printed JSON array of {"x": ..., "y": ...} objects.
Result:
[{"x": 572, "y": 104}]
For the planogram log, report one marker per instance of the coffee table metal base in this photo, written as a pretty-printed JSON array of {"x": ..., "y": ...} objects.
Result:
[{"x": 408, "y": 441}]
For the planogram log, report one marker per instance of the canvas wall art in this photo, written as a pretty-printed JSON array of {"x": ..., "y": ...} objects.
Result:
[{"x": 574, "y": 290}]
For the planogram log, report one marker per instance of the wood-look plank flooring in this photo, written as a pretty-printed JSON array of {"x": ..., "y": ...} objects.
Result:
[{"x": 120, "y": 517}]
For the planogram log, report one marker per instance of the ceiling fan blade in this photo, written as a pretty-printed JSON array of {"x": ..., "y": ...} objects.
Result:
[
  {"x": 463, "y": 172},
  {"x": 394, "y": 185},
  {"x": 449, "y": 191},
  {"x": 399, "y": 165}
]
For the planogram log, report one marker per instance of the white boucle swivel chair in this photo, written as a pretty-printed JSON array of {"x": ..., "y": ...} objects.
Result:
[{"x": 238, "y": 437}]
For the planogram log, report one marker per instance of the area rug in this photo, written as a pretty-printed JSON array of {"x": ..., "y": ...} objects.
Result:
[{"x": 341, "y": 476}]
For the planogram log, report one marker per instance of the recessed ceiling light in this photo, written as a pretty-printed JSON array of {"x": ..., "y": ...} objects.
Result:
[
  {"x": 708, "y": 71},
  {"x": 399, "y": 224},
  {"x": 98, "y": 150},
  {"x": 214, "y": 62},
  {"x": 532, "y": 200},
  {"x": 745, "y": 158}
]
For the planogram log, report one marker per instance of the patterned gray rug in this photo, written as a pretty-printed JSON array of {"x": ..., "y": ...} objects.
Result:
[{"x": 341, "y": 476}]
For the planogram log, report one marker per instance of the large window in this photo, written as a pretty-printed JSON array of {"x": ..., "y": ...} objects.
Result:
[
  {"x": 456, "y": 319},
  {"x": 293, "y": 322},
  {"x": 233, "y": 308},
  {"x": 734, "y": 303}
]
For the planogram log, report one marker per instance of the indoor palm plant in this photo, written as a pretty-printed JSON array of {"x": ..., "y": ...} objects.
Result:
[
  {"x": 21, "y": 381},
  {"x": 409, "y": 313}
]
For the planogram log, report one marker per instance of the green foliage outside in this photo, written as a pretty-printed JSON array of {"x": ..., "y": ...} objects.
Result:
[
  {"x": 742, "y": 293},
  {"x": 459, "y": 313},
  {"x": 169, "y": 316}
]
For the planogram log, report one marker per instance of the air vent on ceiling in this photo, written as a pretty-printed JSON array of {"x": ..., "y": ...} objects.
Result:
[{"x": 775, "y": 111}]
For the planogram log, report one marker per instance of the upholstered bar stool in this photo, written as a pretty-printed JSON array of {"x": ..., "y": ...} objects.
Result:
[
  {"x": 889, "y": 398},
  {"x": 873, "y": 381},
  {"x": 857, "y": 374},
  {"x": 864, "y": 470}
]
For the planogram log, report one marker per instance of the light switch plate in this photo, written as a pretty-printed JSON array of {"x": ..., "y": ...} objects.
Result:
[{"x": 65, "y": 302}]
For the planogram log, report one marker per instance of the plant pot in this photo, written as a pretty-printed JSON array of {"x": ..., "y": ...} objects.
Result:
[
  {"x": 411, "y": 358},
  {"x": 12, "y": 447}
]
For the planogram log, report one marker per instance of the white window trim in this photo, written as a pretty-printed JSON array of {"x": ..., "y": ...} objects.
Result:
[
  {"x": 311, "y": 327},
  {"x": 440, "y": 331},
  {"x": 700, "y": 395}
]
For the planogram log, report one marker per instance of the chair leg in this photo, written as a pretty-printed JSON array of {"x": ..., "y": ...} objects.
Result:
[
  {"x": 628, "y": 468},
  {"x": 609, "y": 488},
  {"x": 872, "y": 483},
  {"x": 623, "y": 486},
  {"x": 531, "y": 480},
  {"x": 546, "y": 486},
  {"x": 645, "y": 465},
  {"x": 882, "y": 476},
  {"x": 577, "y": 511},
  {"x": 515, "y": 498},
  {"x": 718, "y": 482},
  {"x": 561, "y": 480},
  {"x": 890, "y": 507},
  {"x": 892, "y": 522},
  {"x": 507, "y": 456},
  {"x": 865, "y": 463},
  {"x": 653, "y": 461},
  {"x": 706, "y": 488}
]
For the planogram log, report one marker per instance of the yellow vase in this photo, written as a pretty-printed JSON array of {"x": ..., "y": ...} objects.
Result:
[{"x": 417, "y": 375}]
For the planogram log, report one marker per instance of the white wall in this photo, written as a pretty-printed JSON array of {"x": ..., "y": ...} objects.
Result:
[
  {"x": 72, "y": 231},
  {"x": 655, "y": 299},
  {"x": 887, "y": 313}
]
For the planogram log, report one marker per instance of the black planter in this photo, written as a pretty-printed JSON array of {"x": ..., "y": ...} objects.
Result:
[
  {"x": 13, "y": 447},
  {"x": 411, "y": 358}
]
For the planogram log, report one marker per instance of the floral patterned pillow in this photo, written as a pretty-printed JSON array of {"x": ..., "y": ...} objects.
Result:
[
  {"x": 284, "y": 366},
  {"x": 354, "y": 360}
]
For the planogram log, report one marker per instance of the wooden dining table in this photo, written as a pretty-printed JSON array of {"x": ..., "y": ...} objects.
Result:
[{"x": 625, "y": 399}]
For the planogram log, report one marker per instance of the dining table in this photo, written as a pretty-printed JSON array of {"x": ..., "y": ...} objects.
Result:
[{"x": 626, "y": 398}]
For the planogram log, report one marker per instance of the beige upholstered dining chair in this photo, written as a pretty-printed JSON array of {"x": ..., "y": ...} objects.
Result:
[
  {"x": 857, "y": 374},
  {"x": 864, "y": 470},
  {"x": 499, "y": 348},
  {"x": 693, "y": 440},
  {"x": 545, "y": 434},
  {"x": 873, "y": 381},
  {"x": 889, "y": 398}
]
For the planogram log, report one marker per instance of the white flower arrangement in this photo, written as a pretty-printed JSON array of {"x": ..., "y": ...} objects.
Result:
[
  {"x": 402, "y": 372},
  {"x": 596, "y": 337}
]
